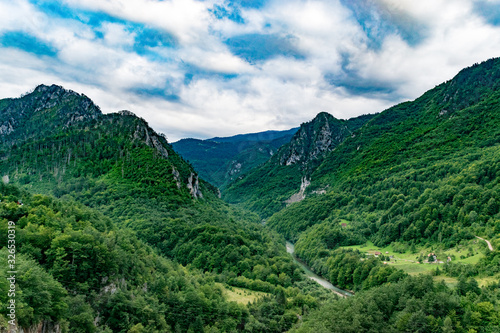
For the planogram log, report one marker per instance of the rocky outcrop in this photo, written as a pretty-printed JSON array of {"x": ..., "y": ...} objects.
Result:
[
  {"x": 314, "y": 140},
  {"x": 177, "y": 176},
  {"x": 297, "y": 197},
  {"x": 194, "y": 186},
  {"x": 44, "y": 326}
]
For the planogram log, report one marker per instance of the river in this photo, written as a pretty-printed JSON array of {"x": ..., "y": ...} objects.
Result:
[{"x": 290, "y": 248}]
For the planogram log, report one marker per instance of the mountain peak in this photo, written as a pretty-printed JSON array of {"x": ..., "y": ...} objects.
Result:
[
  {"x": 43, "y": 88},
  {"x": 44, "y": 109},
  {"x": 314, "y": 139}
]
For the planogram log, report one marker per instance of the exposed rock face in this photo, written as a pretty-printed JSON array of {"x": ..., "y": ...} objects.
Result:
[
  {"x": 43, "y": 327},
  {"x": 235, "y": 168},
  {"x": 301, "y": 194},
  {"x": 194, "y": 186},
  {"x": 6, "y": 128},
  {"x": 314, "y": 140},
  {"x": 144, "y": 133},
  {"x": 176, "y": 176}
]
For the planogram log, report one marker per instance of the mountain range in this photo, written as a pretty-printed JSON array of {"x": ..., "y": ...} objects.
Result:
[
  {"x": 118, "y": 232},
  {"x": 222, "y": 160}
]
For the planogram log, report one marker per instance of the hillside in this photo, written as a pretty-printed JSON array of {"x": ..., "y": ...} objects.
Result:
[
  {"x": 77, "y": 271},
  {"x": 221, "y": 160},
  {"x": 118, "y": 165},
  {"x": 126, "y": 237},
  {"x": 283, "y": 178},
  {"x": 422, "y": 173}
]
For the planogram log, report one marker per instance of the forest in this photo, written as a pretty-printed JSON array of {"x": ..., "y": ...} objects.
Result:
[{"x": 116, "y": 232}]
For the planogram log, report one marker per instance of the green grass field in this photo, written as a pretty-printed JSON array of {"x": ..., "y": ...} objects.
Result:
[
  {"x": 241, "y": 295},
  {"x": 408, "y": 261}
]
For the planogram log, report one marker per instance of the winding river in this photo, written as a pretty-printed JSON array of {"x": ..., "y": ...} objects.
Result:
[{"x": 310, "y": 274}]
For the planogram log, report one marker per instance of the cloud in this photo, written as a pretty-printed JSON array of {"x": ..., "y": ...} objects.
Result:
[
  {"x": 185, "y": 19},
  {"x": 223, "y": 67}
]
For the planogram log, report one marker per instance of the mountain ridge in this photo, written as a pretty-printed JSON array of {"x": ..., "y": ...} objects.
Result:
[
  {"x": 287, "y": 172},
  {"x": 221, "y": 160}
]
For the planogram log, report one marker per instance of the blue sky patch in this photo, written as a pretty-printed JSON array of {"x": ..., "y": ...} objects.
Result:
[
  {"x": 148, "y": 40},
  {"x": 28, "y": 43},
  {"x": 166, "y": 94},
  {"x": 255, "y": 47},
  {"x": 193, "y": 72},
  {"x": 153, "y": 38},
  {"x": 256, "y": 4},
  {"x": 490, "y": 11},
  {"x": 230, "y": 12},
  {"x": 60, "y": 10}
]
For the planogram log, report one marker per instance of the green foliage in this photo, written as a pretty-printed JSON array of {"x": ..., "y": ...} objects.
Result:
[
  {"x": 38, "y": 295},
  {"x": 414, "y": 304},
  {"x": 74, "y": 265}
]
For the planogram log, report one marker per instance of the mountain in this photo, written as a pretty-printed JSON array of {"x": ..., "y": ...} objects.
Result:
[
  {"x": 420, "y": 178},
  {"x": 424, "y": 173},
  {"x": 221, "y": 160},
  {"x": 283, "y": 178},
  {"x": 57, "y": 142},
  {"x": 53, "y": 135},
  {"x": 42, "y": 111},
  {"x": 127, "y": 238},
  {"x": 265, "y": 136}
]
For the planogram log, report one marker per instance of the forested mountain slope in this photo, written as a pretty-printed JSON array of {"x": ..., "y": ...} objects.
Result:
[
  {"x": 422, "y": 172},
  {"x": 77, "y": 271},
  {"x": 267, "y": 188},
  {"x": 117, "y": 164},
  {"x": 221, "y": 160}
]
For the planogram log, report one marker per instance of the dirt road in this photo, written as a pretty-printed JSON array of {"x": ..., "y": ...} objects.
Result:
[{"x": 487, "y": 242}]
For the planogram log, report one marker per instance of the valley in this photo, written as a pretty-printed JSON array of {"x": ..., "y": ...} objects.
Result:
[{"x": 120, "y": 232}]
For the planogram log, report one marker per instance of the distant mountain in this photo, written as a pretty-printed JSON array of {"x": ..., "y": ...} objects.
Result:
[
  {"x": 283, "y": 179},
  {"x": 221, "y": 160},
  {"x": 265, "y": 136}
]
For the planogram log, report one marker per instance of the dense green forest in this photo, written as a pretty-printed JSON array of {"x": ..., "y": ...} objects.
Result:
[
  {"x": 77, "y": 270},
  {"x": 422, "y": 172},
  {"x": 414, "y": 304},
  {"x": 116, "y": 232},
  {"x": 122, "y": 190},
  {"x": 117, "y": 164}
]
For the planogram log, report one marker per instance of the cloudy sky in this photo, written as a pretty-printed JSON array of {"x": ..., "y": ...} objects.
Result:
[{"x": 204, "y": 68}]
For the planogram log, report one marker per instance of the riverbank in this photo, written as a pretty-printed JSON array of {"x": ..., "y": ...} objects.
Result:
[{"x": 290, "y": 248}]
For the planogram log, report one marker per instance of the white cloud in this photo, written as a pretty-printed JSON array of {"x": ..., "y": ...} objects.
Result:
[
  {"x": 275, "y": 93},
  {"x": 186, "y": 19}
]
